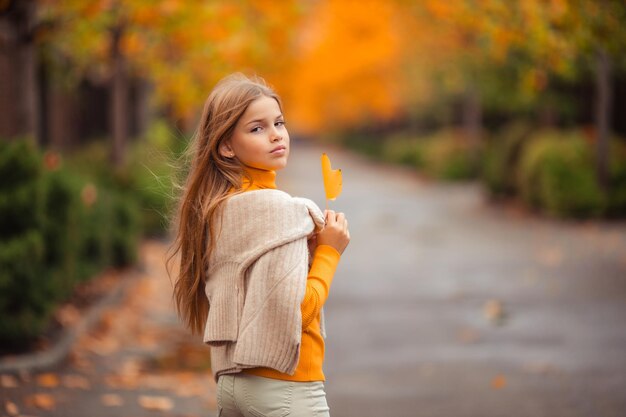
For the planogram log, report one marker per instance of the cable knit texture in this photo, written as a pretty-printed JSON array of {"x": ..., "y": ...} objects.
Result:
[{"x": 256, "y": 281}]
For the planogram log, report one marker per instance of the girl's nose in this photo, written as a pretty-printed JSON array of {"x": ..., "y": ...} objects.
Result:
[{"x": 276, "y": 136}]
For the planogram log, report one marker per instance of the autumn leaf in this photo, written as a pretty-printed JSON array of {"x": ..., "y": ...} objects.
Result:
[
  {"x": 468, "y": 335},
  {"x": 493, "y": 311},
  {"x": 332, "y": 179},
  {"x": 48, "y": 380},
  {"x": 111, "y": 400},
  {"x": 76, "y": 381},
  {"x": 43, "y": 401},
  {"x": 550, "y": 256},
  {"x": 8, "y": 381},
  {"x": 68, "y": 315},
  {"x": 156, "y": 403},
  {"x": 11, "y": 408},
  {"x": 498, "y": 382}
]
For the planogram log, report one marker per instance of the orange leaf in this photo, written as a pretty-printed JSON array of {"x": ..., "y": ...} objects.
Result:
[
  {"x": 76, "y": 381},
  {"x": 156, "y": 403},
  {"x": 44, "y": 401},
  {"x": 498, "y": 382},
  {"x": 11, "y": 408},
  {"x": 111, "y": 400},
  {"x": 332, "y": 179},
  {"x": 8, "y": 381},
  {"x": 48, "y": 380}
]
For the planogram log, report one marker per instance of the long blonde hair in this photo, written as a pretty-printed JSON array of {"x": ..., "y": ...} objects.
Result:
[{"x": 209, "y": 182}]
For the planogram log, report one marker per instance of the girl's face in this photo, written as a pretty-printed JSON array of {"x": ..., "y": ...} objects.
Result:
[{"x": 260, "y": 139}]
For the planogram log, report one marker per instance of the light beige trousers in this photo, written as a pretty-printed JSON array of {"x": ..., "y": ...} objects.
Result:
[{"x": 243, "y": 395}]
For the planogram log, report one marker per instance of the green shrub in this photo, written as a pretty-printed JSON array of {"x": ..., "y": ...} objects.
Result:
[
  {"x": 125, "y": 229},
  {"x": 153, "y": 177},
  {"x": 20, "y": 166},
  {"x": 557, "y": 175},
  {"x": 502, "y": 156},
  {"x": 447, "y": 155},
  {"x": 616, "y": 204},
  {"x": 146, "y": 178},
  {"x": 365, "y": 144},
  {"x": 403, "y": 150},
  {"x": 57, "y": 230},
  {"x": 24, "y": 301}
]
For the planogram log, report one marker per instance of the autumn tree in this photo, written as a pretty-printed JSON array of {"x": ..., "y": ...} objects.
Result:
[
  {"x": 181, "y": 47},
  {"x": 346, "y": 70},
  {"x": 597, "y": 29}
]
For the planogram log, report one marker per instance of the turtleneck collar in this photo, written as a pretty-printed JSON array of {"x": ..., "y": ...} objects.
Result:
[{"x": 261, "y": 179}]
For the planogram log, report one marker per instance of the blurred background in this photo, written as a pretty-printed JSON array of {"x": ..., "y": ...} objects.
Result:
[{"x": 524, "y": 100}]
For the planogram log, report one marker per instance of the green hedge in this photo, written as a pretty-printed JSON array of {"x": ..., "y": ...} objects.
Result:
[
  {"x": 552, "y": 171},
  {"x": 58, "y": 229},
  {"x": 557, "y": 176},
  {"x": 449, "y": 156},
  {"x": 147, "y": 177},
  {"x": 404, "y": 151},
  {"x": 502, "y": 157},
  {"x": 616, "y": 198},
  {"x": 444, "y": 154}
]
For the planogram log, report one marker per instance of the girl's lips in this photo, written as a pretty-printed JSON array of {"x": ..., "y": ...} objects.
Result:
[{"x": 279, "y": 150}]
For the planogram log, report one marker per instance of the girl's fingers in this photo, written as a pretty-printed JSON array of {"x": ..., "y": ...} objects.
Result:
[{"x": 330, "y": 216}]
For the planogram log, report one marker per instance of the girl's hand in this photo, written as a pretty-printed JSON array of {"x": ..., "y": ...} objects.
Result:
[{"x": 335, "y": 233}]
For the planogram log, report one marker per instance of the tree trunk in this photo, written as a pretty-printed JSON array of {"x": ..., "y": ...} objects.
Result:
[
  {"x": 603, "y": 115},
  {"x": 472, "y": 122},
  {"x": 143, "y": 109},
  {"x": 19, "y": 103},
  {"x": 118, "y": 110},
  {"x": 43, "y": 86}
]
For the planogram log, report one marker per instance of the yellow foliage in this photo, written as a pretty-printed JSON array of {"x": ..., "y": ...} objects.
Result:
[{"x": 346, "y": 65}]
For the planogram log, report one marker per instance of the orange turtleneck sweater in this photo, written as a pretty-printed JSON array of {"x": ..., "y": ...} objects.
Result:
[{"x": 323, "y": 266}]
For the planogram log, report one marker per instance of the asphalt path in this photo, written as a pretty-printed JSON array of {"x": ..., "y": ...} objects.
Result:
[{"x": 446, "y": 305}]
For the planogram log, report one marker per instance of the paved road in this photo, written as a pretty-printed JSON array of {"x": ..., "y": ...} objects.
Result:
[{"x": 446, "y": 306}]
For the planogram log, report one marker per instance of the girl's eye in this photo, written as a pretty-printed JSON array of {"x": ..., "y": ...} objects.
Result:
[
  {"x": 256, "y": 129},
  {"x": 280, "y": 123}
]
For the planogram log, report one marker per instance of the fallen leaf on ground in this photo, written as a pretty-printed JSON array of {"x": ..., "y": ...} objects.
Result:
[
  {"x": 43, "y": 401},
  {"x": 498, "y": 382},
  {"x": 11, "y": 408},
  {"x": 48, "y": 380},
  {"x": 540, "y": 368},
  {"x": 8, "y": 381},
  {"x": 494, "y": 311},
  {"x": 80, "y": 362},
  {"x": 76, "y": 381},
  {"x": 111, "y": 400},
  {"x": 68, "y": 315},
  {"x": 467, "y": 335},
  {"x": 551, "y": 257},
  {"x": 102, "y": 346},
  {"x": 156, "y": 403},
  {"x": 121, "y": 381}
]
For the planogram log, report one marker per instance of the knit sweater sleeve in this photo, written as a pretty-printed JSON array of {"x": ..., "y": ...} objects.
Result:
[{"x": 325, "y": 260}]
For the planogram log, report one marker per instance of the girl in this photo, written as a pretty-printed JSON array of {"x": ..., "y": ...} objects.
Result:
[{"x": 256, "y": 264}]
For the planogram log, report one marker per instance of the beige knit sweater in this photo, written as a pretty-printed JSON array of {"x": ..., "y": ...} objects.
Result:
[{"x": 257, "y": 279}]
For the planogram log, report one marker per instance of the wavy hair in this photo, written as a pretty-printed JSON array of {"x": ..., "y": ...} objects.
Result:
[{"x": 210, "y": 181}]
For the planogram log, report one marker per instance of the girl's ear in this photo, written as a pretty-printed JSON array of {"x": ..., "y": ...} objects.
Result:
[{"x": 226, "y": 150}]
